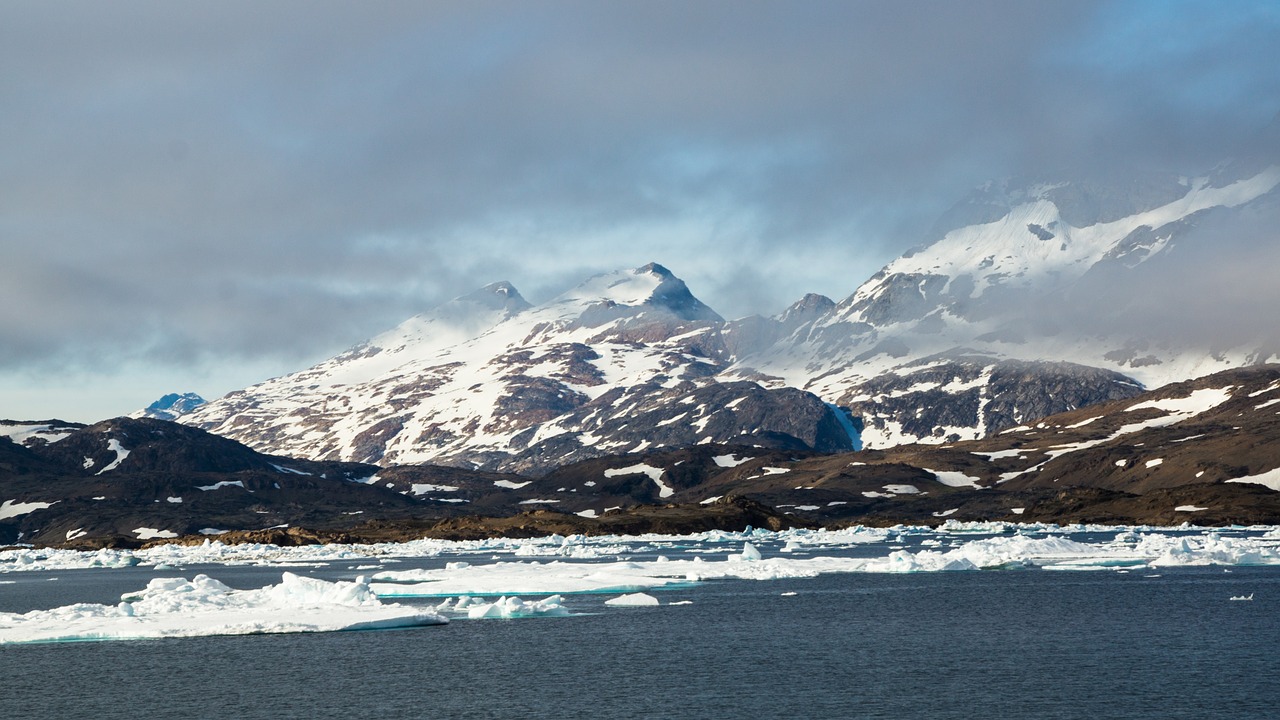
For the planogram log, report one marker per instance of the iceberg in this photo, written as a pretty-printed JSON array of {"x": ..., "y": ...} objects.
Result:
[
  {"x": 633, "y": 600},
  {"x": 202, "y": 606},
  {"x": 506, "y": 607}
]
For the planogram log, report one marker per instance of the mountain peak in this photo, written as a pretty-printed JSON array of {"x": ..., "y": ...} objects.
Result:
[
  {"x": 654, "y": 268},
  {"x": 171, "y": 406},
  {"x": 501, "y": 295},
  {"x": 650, "y": 286}
]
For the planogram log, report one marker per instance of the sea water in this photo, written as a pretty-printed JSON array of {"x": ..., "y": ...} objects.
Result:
[{"x": 1136, "y": 643}]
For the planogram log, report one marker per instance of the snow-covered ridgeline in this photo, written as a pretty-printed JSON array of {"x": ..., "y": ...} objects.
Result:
[
  {"x": 1032, "y": 242},
  {"x": 445, "y": 375}
]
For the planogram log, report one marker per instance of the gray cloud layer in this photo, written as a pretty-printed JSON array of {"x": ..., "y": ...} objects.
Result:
[{"x": 237, "y": 180}]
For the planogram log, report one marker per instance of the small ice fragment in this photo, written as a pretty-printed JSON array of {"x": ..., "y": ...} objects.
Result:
[{"x": 749, "y": 552}]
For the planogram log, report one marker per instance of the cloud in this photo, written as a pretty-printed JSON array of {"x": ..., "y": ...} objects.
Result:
[{"x": 247, "y": 181}]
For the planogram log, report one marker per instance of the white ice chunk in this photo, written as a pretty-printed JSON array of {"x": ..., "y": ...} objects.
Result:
[
  {"x": 176, "y": 607},
  {"x": 514, "y": 607},
  {"x": 633, "y": 600}
]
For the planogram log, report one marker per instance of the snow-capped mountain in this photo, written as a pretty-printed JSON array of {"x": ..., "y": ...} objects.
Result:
[
  {"x": 1017, "y": 311},
  {"x": 623, "y": 362}
]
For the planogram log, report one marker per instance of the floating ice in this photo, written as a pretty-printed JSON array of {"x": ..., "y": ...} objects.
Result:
[
  {"x": 176, "y": 607},
  {"x": 506, "y": 607},
  {"x": 633, "y": 600},
  {"x": 517, "y": 578},
  {"x": 617, "y": 564}
]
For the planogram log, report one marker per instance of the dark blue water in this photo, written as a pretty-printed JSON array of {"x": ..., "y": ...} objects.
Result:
[{"x": 1012, "y": 644}]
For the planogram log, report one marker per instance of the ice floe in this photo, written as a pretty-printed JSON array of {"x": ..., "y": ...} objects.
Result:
[
  {"x": 558, "y": 565},
  {"x": 504, "y": 607},
  {"x": 177, "y": 607}
]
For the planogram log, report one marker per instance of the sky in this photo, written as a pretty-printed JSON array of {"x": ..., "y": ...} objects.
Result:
[{"x": 198, "y": 196}]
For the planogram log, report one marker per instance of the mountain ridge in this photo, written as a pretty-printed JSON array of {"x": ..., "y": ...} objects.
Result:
[{"x": 954, "y": 340}]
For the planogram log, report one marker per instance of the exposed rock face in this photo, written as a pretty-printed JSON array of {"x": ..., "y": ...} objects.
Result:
[{"x": 957, "y": 397}]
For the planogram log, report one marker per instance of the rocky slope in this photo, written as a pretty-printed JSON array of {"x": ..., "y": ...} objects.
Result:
[{"x": 1205, "y": 451}]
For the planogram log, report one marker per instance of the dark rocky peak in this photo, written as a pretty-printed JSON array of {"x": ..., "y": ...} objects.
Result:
[
  {"x": 673, "y": 295},
  {"x": 123, "y": 445},
  {"x": 654, "y": 268},
  {"x": 496, "y": 296},
  {"x": 649, "y": 293},
  {"x": 145, "y": 444},
  {"x": 805, "y": 310},
  {"x": 171, "y": 406}
]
